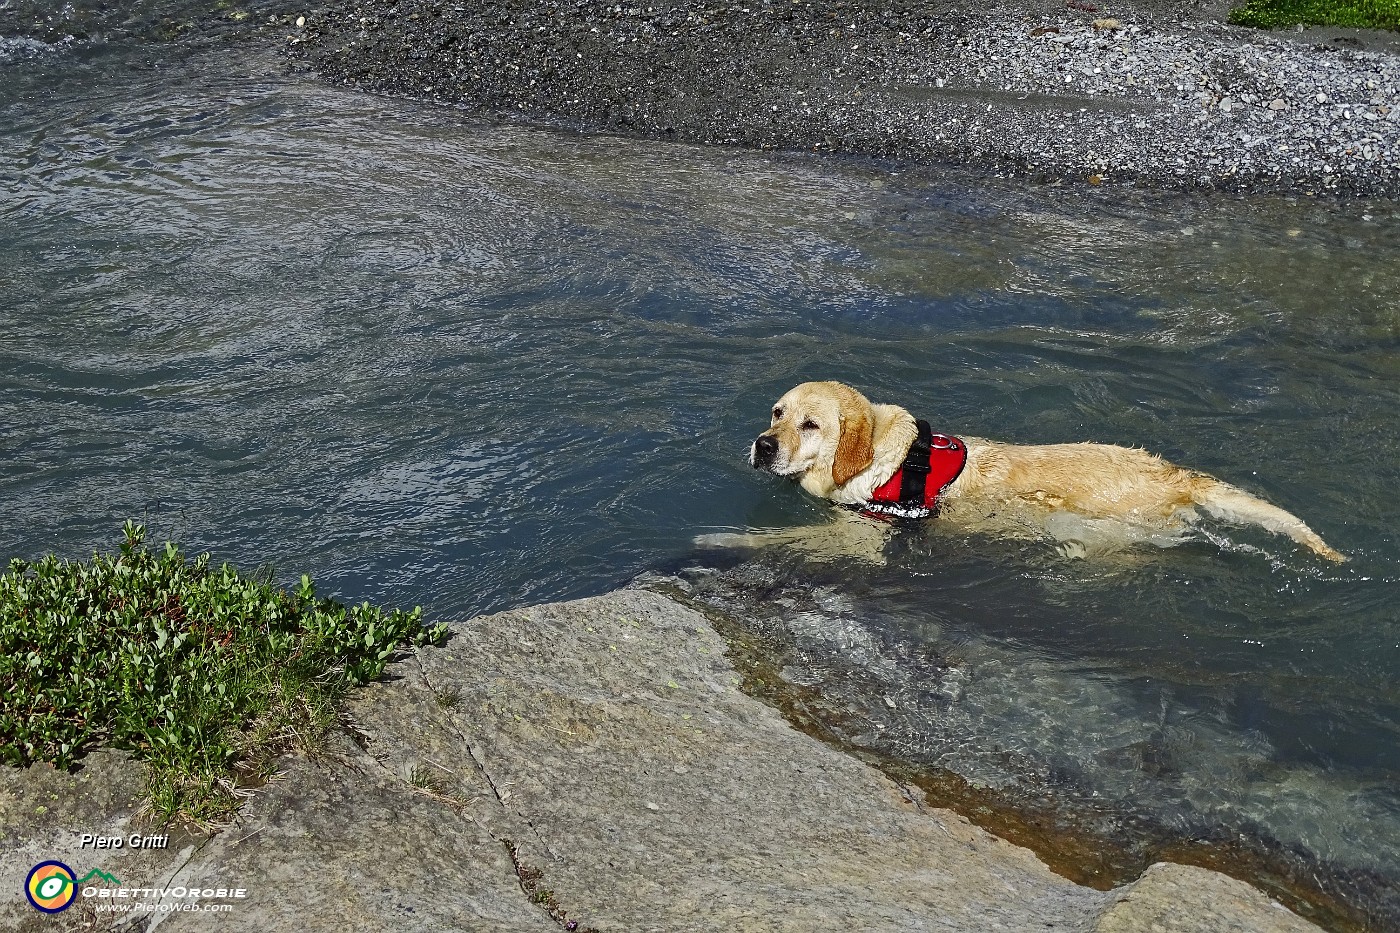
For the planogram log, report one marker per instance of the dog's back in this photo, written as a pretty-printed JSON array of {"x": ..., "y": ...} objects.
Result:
[{"x": 1105, "y": 481}]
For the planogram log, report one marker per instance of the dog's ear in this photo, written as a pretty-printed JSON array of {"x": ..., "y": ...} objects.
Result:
[{"x": 855, "y": 449}]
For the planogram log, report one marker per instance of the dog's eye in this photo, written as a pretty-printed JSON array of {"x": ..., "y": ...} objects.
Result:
[
  {"x": 809, "y": 425},
  {"x": 777, "y": 414}
]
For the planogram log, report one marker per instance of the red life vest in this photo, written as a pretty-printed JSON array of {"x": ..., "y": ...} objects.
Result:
[{"x": 933, "y": 462}]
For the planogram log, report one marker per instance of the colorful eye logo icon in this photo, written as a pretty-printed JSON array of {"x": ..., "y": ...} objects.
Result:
[{"x": 50, "y": 887}]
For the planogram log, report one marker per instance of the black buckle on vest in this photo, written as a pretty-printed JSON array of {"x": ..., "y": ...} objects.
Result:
[{"x": 916, "y": 467}]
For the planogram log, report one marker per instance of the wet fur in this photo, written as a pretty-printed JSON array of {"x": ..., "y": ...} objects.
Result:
[{"x": 850, "y": 447}]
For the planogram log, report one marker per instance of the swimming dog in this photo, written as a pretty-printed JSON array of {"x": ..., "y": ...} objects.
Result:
[{"x": 880, "y": 460}]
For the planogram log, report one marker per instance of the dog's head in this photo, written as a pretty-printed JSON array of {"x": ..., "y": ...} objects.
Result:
[{"x": 822, "y": 428}]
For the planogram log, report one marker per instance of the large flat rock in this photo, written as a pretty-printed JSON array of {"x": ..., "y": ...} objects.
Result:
[{"x": 590, "y": 763}]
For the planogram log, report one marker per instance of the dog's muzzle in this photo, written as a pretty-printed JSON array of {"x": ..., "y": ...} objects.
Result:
[{"x": 765, "y": 450}]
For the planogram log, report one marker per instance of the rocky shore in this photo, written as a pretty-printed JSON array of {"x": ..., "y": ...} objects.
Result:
[
  {"x": 1159, "y": 94},
  {"x": 590, "y": 765}
]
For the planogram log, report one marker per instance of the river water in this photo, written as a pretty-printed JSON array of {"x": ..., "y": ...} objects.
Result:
[{"x": 433, "y": 360}]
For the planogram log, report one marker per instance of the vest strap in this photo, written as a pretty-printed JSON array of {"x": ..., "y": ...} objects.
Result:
[{"x": 916, "y": 467}]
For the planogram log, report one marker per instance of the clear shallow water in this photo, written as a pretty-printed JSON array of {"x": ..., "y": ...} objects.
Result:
[{"x": 436, "y": 362}]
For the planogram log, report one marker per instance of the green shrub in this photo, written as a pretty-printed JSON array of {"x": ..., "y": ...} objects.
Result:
[
  {"x": 1364, "y": 14},
  {"x": 204, "y": 674}
]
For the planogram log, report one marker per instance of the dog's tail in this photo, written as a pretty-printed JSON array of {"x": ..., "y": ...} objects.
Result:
[{"x": 1235, "y": 505}]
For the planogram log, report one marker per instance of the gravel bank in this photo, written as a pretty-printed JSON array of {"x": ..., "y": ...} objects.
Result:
[{"x": 1158, "y": 95}]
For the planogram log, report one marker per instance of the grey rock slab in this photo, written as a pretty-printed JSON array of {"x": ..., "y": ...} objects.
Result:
[
  {"x": 349, "y": 841},
  {"x": 591, "y": 762},
  {"x": 660, "y": 797},
  {"x": 43, "y": 814},
  {"x": 350, "y": 845},
  {"x": 1184, "y": 899}
]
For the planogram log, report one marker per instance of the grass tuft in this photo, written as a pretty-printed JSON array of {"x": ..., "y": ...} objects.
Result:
[
  {"x": 1361, "y": 14},
  {"x": 451, "y": 698},
  {"x": 205, "y": 675}
]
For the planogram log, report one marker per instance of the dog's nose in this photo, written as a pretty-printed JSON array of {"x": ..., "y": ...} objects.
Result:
[{"x": 764, "y": 450}]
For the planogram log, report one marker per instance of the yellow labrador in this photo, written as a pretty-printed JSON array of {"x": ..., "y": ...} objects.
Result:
[{"x": 839, "y": 446}]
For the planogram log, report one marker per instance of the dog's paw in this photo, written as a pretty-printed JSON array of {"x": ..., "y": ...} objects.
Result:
[
  {"x": 725, "y": 539},
  {"x": 1073, "y": 550},
  {"x": 1336, "y": 557}
]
